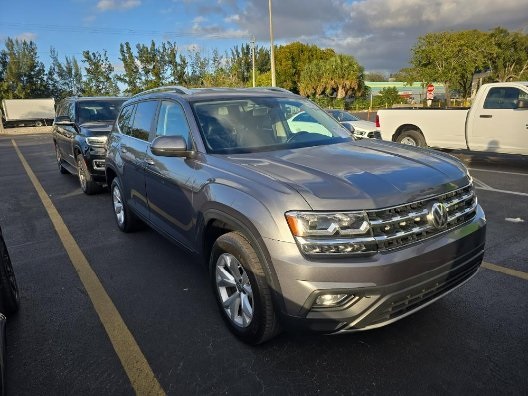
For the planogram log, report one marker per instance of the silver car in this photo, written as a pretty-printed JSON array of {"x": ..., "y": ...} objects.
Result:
[
  {"x": 362, "y": 128},
  {"x": 299, "y": 229}
]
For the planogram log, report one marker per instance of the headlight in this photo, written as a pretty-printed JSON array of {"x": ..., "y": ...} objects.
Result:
[
  {"x": 321, "y": 233},
  {"x": 96, "y": 140}
]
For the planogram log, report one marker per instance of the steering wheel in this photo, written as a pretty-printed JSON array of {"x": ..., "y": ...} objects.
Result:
[{"x": 301, "y": 135}]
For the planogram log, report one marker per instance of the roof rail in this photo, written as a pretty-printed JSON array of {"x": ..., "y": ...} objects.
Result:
[
  {"x": 276, "y": 89},
  {"x": 176, "y": 88}
]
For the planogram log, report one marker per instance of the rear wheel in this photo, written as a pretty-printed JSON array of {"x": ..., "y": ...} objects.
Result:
[
  {"x": 9, "y": 297},
  {"x": 88, "y": 185},
  {"x": 125, "y": 219},
  {"x": 241, "y": 289},
  {"x": 412, "y": 138}
]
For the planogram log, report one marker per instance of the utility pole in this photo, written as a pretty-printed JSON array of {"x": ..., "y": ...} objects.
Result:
[
  {"x": 253, "y": 60},
  {"x": 273, "y": 81}
]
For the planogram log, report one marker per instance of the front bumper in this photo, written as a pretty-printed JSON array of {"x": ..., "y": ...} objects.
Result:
[
  {"x": 95, "y": 160},
  {"x": 385, "y": 287}
]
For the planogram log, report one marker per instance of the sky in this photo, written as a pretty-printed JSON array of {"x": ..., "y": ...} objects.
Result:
[{"x": 378, "y": 33}]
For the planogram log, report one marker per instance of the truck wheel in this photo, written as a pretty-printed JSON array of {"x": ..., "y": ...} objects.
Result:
[
  {"x": 88, "y": 186},
  {"x": 9, "y": 297},
  {"x": 241, "y": 289},
  {"x": 411, "y": 138},
  {"x": 38, "y": 123},
  {"x": 125, "y": 219},
  {"x": 62, "y": 169}
]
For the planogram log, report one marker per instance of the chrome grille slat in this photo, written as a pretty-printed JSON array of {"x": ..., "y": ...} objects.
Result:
[
  {"x": 402, "y": 225},
  {"x": 399, "y": 219}
]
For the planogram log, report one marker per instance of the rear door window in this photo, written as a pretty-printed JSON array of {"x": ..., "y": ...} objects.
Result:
[{"x": 144, "y": 119}]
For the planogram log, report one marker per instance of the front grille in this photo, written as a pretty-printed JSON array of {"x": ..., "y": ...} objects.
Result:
[{"x": 405, "y": 224}]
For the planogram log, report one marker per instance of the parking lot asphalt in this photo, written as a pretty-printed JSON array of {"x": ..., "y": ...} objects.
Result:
[{"x": 473, "y": 341}]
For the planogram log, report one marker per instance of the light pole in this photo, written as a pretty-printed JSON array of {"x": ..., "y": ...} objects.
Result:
[
  {"x": 253, "y": 60},
  {"x": 273, "y": 82}
]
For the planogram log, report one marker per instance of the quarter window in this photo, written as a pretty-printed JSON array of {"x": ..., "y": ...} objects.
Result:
[{"x": 124, "y": 120}]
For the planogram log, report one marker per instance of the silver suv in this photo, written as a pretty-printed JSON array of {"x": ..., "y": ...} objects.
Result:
[{"x": 300, "y": 227}]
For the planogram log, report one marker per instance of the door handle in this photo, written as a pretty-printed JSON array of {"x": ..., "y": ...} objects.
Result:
[
  {"x": 486, "y": 116},
  {"x": 149, "y": 161}
]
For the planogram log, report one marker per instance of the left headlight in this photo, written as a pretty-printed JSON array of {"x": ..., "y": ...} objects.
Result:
[
  {"x": 339, "y": 233},
  {"x": 96, "y": 140}
]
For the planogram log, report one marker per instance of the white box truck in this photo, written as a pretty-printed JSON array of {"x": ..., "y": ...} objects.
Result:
[{"x": 28, "y": 112}]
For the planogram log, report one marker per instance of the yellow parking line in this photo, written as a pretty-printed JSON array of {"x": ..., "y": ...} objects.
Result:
[
  {"x": 134, "y": 362},
  {"x": 504, "y": 270}
]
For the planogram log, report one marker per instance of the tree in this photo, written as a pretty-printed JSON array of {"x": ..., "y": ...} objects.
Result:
[
  {"x": 375, "y": 76},
  {"x": 99, "y": 75},
  {"x": 176, "y": 65},
  {"x": 451, "y": 58},
  {"x": 22, "y": 75},
  {"x": 509, "y": 60},
  {"x": 340, "y": 75},
  {"x": 131, "y": 76},
  {"x": 291, "y": 59},
  {"x": 69, "y": 76},
  {"x": 389, "y": 95}
]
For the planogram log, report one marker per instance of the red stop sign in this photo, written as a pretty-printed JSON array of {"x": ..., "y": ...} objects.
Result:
[{"x": 430, "y": 88}]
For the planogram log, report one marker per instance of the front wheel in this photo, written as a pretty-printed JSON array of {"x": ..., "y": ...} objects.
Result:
[
  {"x": 412, "y": 138},
  {"x": 88, "y": 185},
  {"x": 241, "y": 289}
]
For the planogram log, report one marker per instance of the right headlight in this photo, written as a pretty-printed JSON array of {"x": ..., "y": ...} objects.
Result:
[{"x": 336, "y": 233}]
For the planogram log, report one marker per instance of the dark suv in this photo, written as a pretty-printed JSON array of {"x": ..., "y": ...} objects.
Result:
[
  {"x": 79, "y": 134},
  {"x": 300, "y": 228}
]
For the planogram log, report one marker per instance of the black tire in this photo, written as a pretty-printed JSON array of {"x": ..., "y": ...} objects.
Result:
[
  {"x": 58, "y": 156},
  {"x": 125, "y": 219},
  {"x": 412, "y": 138},
  {"x": 38, "y": 123},
  {"x": 263, "y": 324},
  {"x": 9, "y": 296},
  {"x": 88, "y": 185}
]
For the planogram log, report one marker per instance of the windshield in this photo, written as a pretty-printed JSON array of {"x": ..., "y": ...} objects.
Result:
[
  {"x": 98, "y": 110},
  {"x": 265, "y": 124},
  {"x": 343, "y": 116}
]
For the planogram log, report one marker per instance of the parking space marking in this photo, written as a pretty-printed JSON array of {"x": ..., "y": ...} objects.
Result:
[
  {"x": 502, "y": 191},
  {"x": 504, "y": 270},
  {"x": 480, "y": 183},
  {"x": 132, "y": 359},
  {"x": 496, "y": 171}
]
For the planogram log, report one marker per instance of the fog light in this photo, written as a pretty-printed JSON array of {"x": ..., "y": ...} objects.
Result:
[{"x": 330, "y": 300}]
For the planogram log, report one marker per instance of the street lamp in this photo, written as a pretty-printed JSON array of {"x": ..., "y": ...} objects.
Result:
[{"x": 273, "y": 81}]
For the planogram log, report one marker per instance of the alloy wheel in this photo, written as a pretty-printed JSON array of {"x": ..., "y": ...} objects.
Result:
[
  {"x": 234, "y": 290},
  {"x": 118, "y": 206}
]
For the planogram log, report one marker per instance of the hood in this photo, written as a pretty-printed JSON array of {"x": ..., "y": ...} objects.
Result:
[
  {"x": 368, "y": 174},
  {"x": 362, "y": 125},
  {"x": 95, "y": 128}
]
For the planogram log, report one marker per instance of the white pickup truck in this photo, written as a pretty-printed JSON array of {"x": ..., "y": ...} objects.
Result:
[{"x": 496, "y": 122}]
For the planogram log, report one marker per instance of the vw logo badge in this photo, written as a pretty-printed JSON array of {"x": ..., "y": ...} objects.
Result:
[{"x": 438, "y": 216}]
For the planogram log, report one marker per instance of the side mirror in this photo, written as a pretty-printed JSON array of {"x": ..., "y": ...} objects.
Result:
[
  {"x": 522, "y": 104},
  {"x": 63, "y": 120},
  {"x": 349, "y": 127},
  {"x": 170, "y": 146}
]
